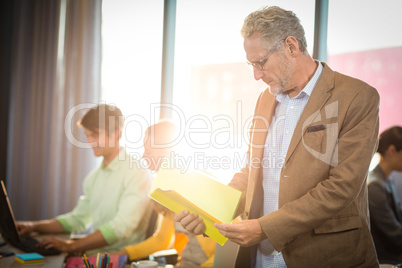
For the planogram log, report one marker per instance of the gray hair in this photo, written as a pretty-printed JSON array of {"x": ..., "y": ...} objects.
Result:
[{"x": 274, "y": 24}]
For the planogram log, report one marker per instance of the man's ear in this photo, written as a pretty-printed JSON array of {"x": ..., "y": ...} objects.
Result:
[
  {"x": 390, "y": 150},
  {"x": 292, "y": 45}
]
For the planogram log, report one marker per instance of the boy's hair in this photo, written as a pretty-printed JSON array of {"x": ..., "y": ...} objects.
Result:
[
  {"x": 391, "y": 136},
  {"x": 103, "y": 116}
]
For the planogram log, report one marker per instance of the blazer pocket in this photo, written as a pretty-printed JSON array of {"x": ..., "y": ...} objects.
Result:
[
  {"x": 315, "y": 128},
  {"x": 335, "y": 225},
  {"x": 315, "y": 138}
]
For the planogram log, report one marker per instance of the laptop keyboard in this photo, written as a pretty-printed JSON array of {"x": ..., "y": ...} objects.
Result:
[{"x": 28, "y": 244}]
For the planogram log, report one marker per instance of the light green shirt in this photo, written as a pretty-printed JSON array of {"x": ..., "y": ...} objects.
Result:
[{"x": 115, "y": 201}]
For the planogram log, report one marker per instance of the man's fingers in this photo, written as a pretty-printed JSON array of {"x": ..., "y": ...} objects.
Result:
[
  {"x": 228, "y": 230},
  {"x": 200, "y": 229},
  {"x": 46, "y": 243},
  {"x": 196, "y": 226},
  {"x": 235, "y": 232},
  {"x": 191, "y": 222},
  {"x": 50, "y": 245},
  {"x": 179, "y": 216},
  {"x": 225, "y": 227},
  {"x": 25, "y": 231},
  {"x": 188, "y": 219},
  {"x": 42, "y": 243},
  {"x": 245, "y": 233},
  {"x": 24, "y": 228},
  {"x": 21, "y": 229}
]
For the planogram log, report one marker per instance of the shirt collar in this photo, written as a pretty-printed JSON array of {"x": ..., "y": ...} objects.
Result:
[{"x": 308, "y": 89}]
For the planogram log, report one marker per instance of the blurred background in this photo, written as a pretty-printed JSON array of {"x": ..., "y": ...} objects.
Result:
[{"x": 60, "y": 57}]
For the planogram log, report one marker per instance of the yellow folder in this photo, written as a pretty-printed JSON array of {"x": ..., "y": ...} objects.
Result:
[{"x": 197, "y": 192}]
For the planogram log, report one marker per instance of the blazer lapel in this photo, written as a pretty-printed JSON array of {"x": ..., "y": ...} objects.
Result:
[
  {"x": 318, "y": 98},
  {"x": 262, "y": 119}
]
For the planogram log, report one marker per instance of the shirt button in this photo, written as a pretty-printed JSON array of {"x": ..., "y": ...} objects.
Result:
[
  {"x": 291, "y": 107},
  {"x": 287, "y": 131}
]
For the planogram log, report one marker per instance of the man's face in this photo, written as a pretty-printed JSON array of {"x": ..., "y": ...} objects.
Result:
[
  {"x": 278, "y": 69},
  {"x": 100, "y": 142}
]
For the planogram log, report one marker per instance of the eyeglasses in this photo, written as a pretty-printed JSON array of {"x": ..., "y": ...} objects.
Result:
[{"x": 260, "y": 64}]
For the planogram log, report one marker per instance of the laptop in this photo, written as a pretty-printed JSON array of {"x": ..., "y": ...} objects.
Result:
[{"x": 9, "y": 230}]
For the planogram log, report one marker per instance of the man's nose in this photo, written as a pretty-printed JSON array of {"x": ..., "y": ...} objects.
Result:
[{"x": 258, "y": 74}]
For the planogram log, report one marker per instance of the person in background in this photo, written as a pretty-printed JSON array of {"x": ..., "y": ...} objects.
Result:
[
  {"x": 114, "y": 199},
  {"x": 160, "y": 145},
  {"x": 313, "y": 134},
  {"x": 384, "y": 205}
]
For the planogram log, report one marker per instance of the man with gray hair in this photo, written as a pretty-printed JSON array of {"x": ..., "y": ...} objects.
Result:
[{"x": 314, "y": 131}]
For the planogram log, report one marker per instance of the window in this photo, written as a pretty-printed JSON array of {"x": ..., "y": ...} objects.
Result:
[
  {"x": 214, "y": 90},
  {"x": 131, "y": 63}
]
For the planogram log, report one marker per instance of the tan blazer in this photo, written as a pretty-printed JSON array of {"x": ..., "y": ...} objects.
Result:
[{"x": 322, "y": 220}]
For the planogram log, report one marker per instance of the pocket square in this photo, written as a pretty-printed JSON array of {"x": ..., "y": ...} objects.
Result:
[{"x": 315, "y": 128}]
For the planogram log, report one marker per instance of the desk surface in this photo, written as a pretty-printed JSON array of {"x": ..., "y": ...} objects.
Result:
[
  {"x": 50, "y": 261},
  {"x": 55, "y": 261}
]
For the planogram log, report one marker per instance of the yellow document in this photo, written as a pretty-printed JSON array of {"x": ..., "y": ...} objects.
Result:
[{"x": 197, "y": 192}]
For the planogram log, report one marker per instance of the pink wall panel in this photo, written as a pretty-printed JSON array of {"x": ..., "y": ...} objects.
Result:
[{"x": 382, "y": 69}]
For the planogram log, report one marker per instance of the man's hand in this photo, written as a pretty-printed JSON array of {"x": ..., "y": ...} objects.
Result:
[
  {"x": 25, "y": 227},
  {"x": 191, "y": 222},
  {"x": 245, "y": 233},
  {"x": 53, "y": 242}
]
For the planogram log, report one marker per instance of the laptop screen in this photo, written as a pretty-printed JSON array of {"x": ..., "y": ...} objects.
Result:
[{"x": 7, "y": 223}]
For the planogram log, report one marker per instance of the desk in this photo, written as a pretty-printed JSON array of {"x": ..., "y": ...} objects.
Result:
[{"x": 55, "y": 261}]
